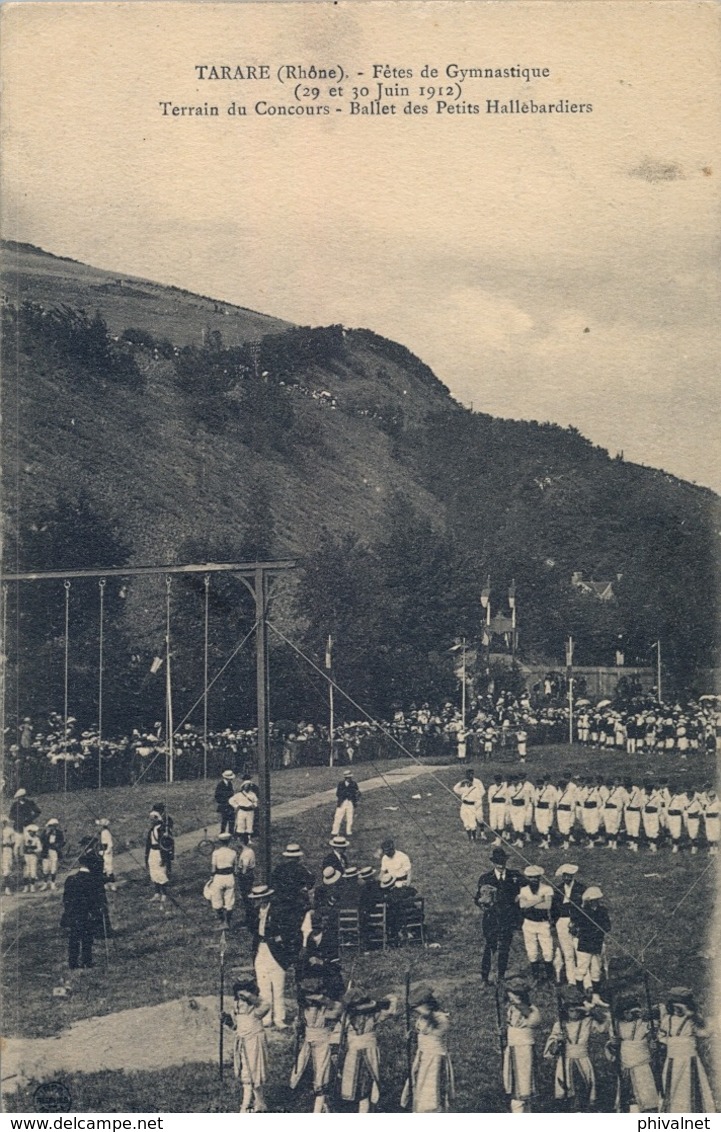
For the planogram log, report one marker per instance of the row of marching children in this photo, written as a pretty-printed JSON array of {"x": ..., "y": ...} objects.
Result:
[{"x": 652, "y": 1051}]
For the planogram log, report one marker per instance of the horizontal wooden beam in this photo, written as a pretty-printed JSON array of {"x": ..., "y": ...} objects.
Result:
[{"x": 248, "y": 568}]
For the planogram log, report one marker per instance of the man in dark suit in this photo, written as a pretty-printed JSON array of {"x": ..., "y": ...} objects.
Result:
[
  {"x": 273, "y": 954},
  {"x": 496, "y": 896},
  {"x": 337, "y": 857},
  {"x": 83, "y": 912},
  {"x": 224, "y": 791},
  {"x": 293, "y": 883}
]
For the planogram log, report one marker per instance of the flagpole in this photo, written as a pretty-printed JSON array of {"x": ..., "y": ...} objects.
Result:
[
  {"x": 658, "y": 670},
  {"x": 331, "y": 701},
  {"x": 463, "y": 688},
  {"x": 569, "y": 674}
]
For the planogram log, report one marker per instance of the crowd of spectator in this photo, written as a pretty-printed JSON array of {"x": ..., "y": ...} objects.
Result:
[{"x": 46, "y": 754}]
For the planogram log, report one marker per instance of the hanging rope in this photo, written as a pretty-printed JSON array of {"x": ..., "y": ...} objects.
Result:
[
  {"x": 516, "y": 852},
  {"x": 168, "y": 692},
  {"x": 101, "y": 644},
  {"x": 205, "y": 678},
  {"x": 3, "y": 674},
  {"x": 65, "y": 696}
]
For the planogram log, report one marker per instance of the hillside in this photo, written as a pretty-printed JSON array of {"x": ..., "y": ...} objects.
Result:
[{"x": 159, "y": 426}]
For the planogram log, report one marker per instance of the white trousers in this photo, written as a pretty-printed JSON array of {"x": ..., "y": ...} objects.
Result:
[
  {"x": 567, "y": 943},
  {"x": 222, "y": 893},
  {"x": 611, "y": 820},
  {"x": 270, "y": 977},
  {"x": 544, "y": 821},
  {"x": 538, "y": 940},
  {"x": 588, "y": 968},
  {"x": 497, "y": 816},
  {"x": 343, "y": 813},
  {"x": 244, "y": 820}
]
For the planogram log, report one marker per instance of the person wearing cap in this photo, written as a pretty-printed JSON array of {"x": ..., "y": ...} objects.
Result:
[
  {"x": 326, "y": 893},
  {"x": 52, "y": 840},
  {"x": 498, "y": 806},
  {"x": 154, "y": 858},
  {"x": 565, "y": 909},
  {"x": 517, "y": 807},
  {"x": 471, "y": 792},
  {"x": 318, "y": 1015},
  {"x": 347, "y": 798},
  {"x": 83, "y": 913},
  {"x": 337, "y": 858},
  {"x": 271, "y": 954},
  {"x": 632, "y": 813},
  {"x": 534, "y": 900},
  {"x": 675, "y": 813},
  {"x": 651, "y": 806},
  {"x": 224, "y": 791},
  {"x": 544, "y": 810},
  {"x": 24, "y": 811},
  {"x": 105, "y": 848},
  {"x": 244, "y": 804},
  {"x": 612, "y": 812},
  {"x": 566, "y": 809},
  {"x": 590, "y": 929},
  {"x": 250, "y": 1051},
  {"x": 496, "y": 896},
  {"x": 319, "y": 957},
  {"x": 395, "y": 864},
  {"x": 32, "y": 848},
  {"x": 631, "y": 1048},
  {"x": 519, "y": 1071},
  {"x": 711, "y": 818},
  {"x": 432, "y": 1083},
  {"x": 590, "y": 806},
  {"x": 8, "y": 853},
  {"x": 575, "y": 1079},
  {"x": 693, "y": 815},
  {"x": 685, "y": 1085},
  {"x": 349, "y": 888},
  {"x": 360, "y": 1077},
  {"x": 245, "y": 871},
  {"x": 220, "y": 889},
  {"x": 293, "y": 882}
]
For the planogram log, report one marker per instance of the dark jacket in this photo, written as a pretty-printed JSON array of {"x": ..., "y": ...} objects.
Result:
[
  {"x": 23, "y": 811},
  {"x": 52, "y": 837},
  {"x": 224, "y": 791},
  {"x": 348, "y": 792},
  {"x": 336, "y": 858},
  {"x": 504, "y": 910},
  {"x": 83, "y": 901},
  {"x": 590, "y": 929},
  {"x": 283, "y": 949},
  {"x": 571, "y": 909}
]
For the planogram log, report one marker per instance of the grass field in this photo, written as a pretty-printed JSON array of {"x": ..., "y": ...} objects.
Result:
[{"x": 660, "y": 906}]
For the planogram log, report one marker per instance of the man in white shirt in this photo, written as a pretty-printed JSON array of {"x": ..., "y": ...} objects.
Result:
[
  {"x": 395, "y": 864},
  {"x": 534, "y": 900}
]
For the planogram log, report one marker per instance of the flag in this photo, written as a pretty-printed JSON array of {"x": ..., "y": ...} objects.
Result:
[
  {"x": 569, "y": 658},
  {"x": 512, "y": 594},
  {"x": 501, "y": 624},
  {"x": 156, "y": 665},
  {"x": 486, "y": 593},
  {"x": 329, "y": 653}
]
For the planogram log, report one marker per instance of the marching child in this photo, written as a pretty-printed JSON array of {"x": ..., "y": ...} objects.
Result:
[{"x": 250, "y": 1054}]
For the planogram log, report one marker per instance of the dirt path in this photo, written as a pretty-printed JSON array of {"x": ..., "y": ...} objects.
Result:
[
  {"x": 150, "y": 1037},
  {"x": 126, "y": 862}
]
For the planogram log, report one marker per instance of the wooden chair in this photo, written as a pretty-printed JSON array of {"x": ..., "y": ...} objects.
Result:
[
  {"x": 376, "y": 937},
  {"x": 414, "y": 929},
  {"x": 349, "y": 935}
]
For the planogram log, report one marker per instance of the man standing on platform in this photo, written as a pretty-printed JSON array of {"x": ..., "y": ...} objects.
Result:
[{"x": 348, "y": 797}]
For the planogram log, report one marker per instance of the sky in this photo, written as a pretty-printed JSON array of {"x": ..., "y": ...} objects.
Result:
[{"x": 560, "y": 268}]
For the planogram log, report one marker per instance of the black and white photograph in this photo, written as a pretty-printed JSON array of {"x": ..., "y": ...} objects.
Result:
[{"x": 360, "y": 687}]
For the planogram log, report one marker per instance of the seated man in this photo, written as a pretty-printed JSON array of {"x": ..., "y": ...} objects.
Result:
[{"x": 395, "y": 864}]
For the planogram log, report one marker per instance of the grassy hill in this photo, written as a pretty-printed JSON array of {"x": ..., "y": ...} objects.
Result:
[{"x": 161, "y": 425}]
